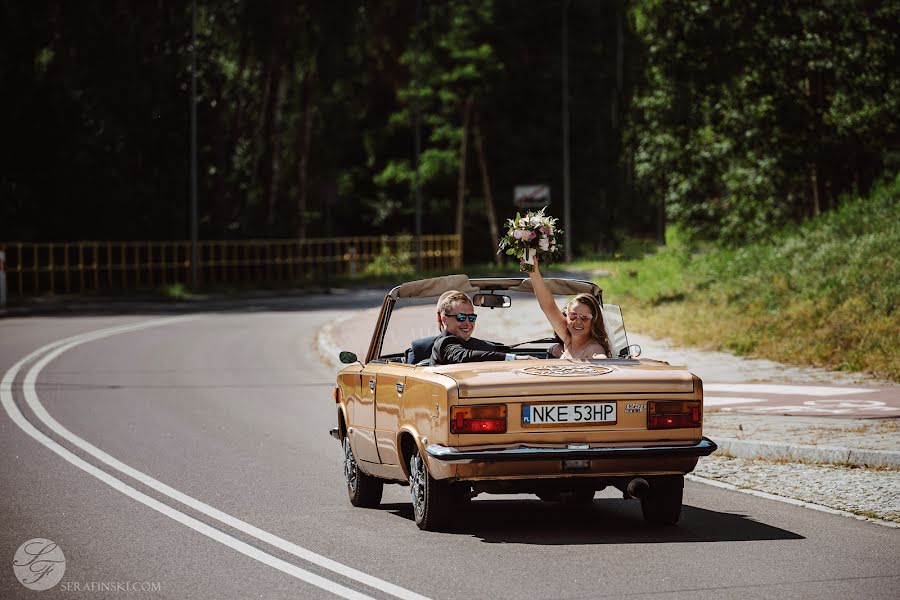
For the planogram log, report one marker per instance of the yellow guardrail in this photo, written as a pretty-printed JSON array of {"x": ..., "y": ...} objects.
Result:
[{"x": 67, "y": 267}]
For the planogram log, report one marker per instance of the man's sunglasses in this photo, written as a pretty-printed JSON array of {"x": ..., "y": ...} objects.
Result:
[{"x": 461, "y": 317}]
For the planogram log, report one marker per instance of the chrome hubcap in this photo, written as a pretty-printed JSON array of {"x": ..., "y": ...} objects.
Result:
[
  {"x": 417, "y": 483},
  {"x": 349, "y": 466}
]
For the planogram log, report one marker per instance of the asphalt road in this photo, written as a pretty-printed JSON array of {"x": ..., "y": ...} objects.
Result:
[{"x": 190, "y": 458}]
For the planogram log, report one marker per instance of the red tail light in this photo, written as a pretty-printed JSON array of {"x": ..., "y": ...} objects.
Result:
[
  {"x": 673, "y": 415},
  {"x": 478, "y": 419}
]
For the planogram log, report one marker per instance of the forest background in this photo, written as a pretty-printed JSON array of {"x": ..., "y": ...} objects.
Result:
[{"x": 731, "y": 119}]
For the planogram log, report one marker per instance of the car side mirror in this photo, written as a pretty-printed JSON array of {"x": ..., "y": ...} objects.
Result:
[
  {"x": 632, "y": 351},
  {"x": 492, "y": 300},
  {"x": 347, "y": 357}
]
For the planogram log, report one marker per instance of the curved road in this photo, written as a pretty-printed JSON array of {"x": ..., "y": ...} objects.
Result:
[{"x": 189, "y": 457}]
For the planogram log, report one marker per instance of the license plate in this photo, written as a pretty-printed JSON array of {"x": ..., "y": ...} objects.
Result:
[{"x": 568, "y": 414}]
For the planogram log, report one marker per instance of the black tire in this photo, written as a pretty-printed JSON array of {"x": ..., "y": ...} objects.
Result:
[
  {"x": 461, "y": 495},
  {"x": 431, "y": 498},
  {"x": 364, "y": 490},
  {"x": 662, "y": 504}
]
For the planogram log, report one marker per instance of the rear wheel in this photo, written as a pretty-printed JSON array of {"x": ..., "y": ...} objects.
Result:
[
  {"x": 431, "y": 498},
  {"x": 461, "y": 494},
  {"x": 662, "y": 504},
  {"x": 364, "y": 490}
]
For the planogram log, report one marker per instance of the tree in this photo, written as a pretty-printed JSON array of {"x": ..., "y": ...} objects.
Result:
[
  {"x": 452, "y": 80},
  {"x": 749, "y": 111}
]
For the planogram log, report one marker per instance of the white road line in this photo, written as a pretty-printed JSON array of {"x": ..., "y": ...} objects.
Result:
[
  {"x": 791, "y": 390},
  {"x": 31, "y": 398},
  {"x": 12, "y": 410},
  {"x": 725, "y": 400},
  {"x": 792, "y": 501}
]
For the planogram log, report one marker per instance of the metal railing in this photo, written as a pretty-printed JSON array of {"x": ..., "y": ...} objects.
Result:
[{"x": 73, "y": 267}]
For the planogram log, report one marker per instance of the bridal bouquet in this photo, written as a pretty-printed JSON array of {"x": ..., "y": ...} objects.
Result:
[{"x": 535, "y": 234}]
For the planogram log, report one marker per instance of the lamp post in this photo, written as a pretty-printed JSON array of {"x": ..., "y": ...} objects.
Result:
[
  {"x": 194, "y": 234},
  {"x": 567, "y": 208},
  {"x": 418, "y": 142}
]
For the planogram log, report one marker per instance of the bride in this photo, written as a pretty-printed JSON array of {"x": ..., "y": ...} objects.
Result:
[{"x": 580, "y": 326}]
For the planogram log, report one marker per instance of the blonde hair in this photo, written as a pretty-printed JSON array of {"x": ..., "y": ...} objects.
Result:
[{"x": 598, "y": 327}]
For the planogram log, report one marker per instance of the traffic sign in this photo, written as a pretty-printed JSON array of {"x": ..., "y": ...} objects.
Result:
[{"x": 531, "y": 196}]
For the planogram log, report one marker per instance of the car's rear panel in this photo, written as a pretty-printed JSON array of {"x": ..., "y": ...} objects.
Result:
[{"x": 629, "y": 387}]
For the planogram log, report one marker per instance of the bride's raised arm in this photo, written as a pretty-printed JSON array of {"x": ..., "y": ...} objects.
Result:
[{"x": 548, "y": 304}]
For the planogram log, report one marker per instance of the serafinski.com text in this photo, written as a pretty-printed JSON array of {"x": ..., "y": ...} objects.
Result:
[{"x": 110, "y": 586}]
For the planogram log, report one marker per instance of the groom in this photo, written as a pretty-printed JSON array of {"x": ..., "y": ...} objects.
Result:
[{"x": 456, "y": 318}]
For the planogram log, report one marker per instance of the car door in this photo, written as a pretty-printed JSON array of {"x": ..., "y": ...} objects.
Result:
[
  {"x": 362, "y": 415},
  {"x": 391, "y": 380}
]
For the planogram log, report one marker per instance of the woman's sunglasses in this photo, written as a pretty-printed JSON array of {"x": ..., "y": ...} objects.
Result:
[
  {"x": 575, "y": 316},
  {"x": 461, "y": 317}
]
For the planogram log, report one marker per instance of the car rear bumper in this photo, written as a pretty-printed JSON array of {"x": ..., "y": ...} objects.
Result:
[{"x": 704, "y": 447}]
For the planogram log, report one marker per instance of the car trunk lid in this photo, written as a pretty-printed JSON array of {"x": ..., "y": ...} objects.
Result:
[{"x": 523, "y": 379}]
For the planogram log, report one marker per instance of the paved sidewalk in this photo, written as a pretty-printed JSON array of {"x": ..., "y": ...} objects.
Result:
[{"x": 858, "y": 442}]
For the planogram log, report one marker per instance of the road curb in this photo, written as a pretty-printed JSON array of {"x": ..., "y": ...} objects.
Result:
[
  {"x": 788, "y": 500},
  {"x": 326, "y": 345},
  {"x": 807, "y": 454}
]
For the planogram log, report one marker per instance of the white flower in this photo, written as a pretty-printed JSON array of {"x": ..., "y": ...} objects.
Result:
[
  {"x": 536, "y": 221},
  {"x": 544, "y": 243}
]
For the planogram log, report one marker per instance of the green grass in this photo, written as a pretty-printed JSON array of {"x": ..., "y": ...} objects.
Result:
[
  {"x": 176, "y": 291},
  {"x": 825, "y": 293}
]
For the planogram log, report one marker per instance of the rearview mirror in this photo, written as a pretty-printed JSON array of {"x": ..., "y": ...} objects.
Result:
[
  {"x": 492, "y": 300},
  {"x": 347, "y": 357}
]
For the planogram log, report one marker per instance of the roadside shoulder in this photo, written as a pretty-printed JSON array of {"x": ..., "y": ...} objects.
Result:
[{"x": 869, "y": 494}]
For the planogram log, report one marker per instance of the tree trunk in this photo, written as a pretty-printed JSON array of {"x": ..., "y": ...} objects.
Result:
[
  {"x": 461, "y": 185},
  {"x": 814, "y": 187},
  {"x": 258, "y": 137},
  {"x": 275, "y": 145},
  {"x": 814, "y": 95},
  {"x": 303, "y": 154},
  {"x": 486, "y": 188},
  {"x": 229, "y": 165}
]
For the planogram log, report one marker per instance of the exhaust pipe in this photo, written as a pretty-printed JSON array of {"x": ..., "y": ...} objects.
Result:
[{"x": 637, "y": 488}]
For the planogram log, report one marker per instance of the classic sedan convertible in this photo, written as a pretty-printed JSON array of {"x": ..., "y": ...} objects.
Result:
[{"x": 560, "y": 429}]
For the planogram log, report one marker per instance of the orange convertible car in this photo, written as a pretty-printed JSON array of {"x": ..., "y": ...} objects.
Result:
[{"x": 560, "y": 429}]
